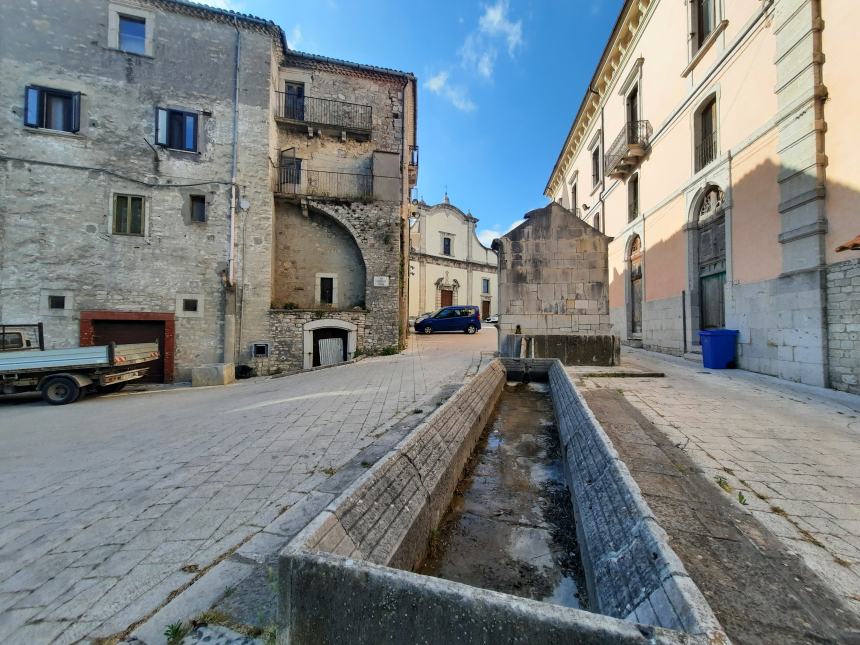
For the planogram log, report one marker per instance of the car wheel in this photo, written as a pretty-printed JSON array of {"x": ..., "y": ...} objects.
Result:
[
  {"x": 60, "y": 390},
  {"x": 471, "y": 329},
  {"x": 427, "y": 330}
]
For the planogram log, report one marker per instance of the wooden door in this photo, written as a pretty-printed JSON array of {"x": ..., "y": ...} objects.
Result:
[
  {"x": 485, "y": 309},
  {"x": 447, "y": 297}
]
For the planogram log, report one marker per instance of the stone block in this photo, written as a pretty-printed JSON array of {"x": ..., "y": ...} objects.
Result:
[{"x": 214, "y": 374}]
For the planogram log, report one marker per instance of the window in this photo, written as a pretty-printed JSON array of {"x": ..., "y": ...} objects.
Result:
[
  {"x": 633, "y": 198},
  {"x": 446, "y": 246},
  {"x": 56, "y": 302},
  {"x": 595, "y": 166},
  {"x": 128, "y": 215},
  {"x": 294, "y": 101},
  {"x": 176, "y": 129},
  {"x": 189, "y": 304},
  {"x": 485, "y": 285},
  {"x": 52, "y": 109},
  {"x": 132, "y": 34},
  {"x": 290, "y": 170},
  {"x": 326, "y": 291},
  {"x": 705, "y": 20},
  {"x": 574, "y": 206},
  {"x": 706, "y": 133},
  {"x": 597, "y": 222},
  {"x": 632, "y": 105},
  {"x": 198, "y": 208},
  {"x": 260, "y": 350}
]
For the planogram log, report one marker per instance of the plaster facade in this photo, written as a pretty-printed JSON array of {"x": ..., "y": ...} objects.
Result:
[
  {"x": 733, "y": 175},
  {"x": 251, "y": 253},
  {"x": 462, "y": 266}
]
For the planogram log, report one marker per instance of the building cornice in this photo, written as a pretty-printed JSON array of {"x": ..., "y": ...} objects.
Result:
[
  {"x": 453, "y": 263},
  {"x": 624, "y": 32}
]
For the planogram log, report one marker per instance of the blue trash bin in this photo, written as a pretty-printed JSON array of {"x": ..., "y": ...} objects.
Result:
[{"x": 719, "y": 348}]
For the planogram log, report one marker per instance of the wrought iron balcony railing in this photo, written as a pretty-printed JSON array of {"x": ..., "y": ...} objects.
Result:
[
  {"x": 291, "y": 180},
  {"x": 706, "y": 151},
  {"x": 325, "y": 112},
  {"x": 629, "y": 146}
]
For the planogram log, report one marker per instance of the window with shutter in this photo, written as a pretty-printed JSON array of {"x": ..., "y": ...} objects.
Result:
[
  {"x": 176, "y": 129},
  {"x": 52, "y": 109}
]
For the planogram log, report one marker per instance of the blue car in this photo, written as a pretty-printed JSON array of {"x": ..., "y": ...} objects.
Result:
[{"x": 464, "y": 318}]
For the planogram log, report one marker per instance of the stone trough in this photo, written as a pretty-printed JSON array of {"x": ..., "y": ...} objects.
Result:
[{"x": 348, "y": 576}]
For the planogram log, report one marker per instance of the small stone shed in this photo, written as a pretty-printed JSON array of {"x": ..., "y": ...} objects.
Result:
[{"x": 554, "y": 290}]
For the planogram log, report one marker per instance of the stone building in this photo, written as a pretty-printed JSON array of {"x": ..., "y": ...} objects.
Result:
[
  {"x": 149, "y": 165},
  {"x": 715, "y": 146},
  {"x": 448, "y": 265},
  {"x": 344, "y": 161},
  {"x": 553, "y": 290}
]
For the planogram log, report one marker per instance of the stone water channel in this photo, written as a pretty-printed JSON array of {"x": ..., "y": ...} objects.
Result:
[{"x": 510, "y": 526}]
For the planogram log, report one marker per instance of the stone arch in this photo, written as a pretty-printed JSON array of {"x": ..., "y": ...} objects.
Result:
[
  {"x": 309, "y": 328},
  {"x": 446, "y": 284},
  {"x": 707, "y": 243},
  {"x": 317, "y": 254}
]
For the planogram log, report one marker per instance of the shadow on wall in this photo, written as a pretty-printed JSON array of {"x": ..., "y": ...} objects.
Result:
[{"x": 778, "y": 313}]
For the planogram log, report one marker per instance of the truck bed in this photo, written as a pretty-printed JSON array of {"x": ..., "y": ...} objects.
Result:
[{"x": 77, "y": 358}]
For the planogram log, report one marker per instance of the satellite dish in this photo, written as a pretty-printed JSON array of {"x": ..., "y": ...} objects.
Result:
[{"x": 244, "y": 204}]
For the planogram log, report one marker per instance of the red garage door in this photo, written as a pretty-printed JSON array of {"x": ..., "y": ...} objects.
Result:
[{"x": 134, "y": 331}]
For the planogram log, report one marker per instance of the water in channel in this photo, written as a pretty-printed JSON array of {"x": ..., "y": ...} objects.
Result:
[{"x": 510, "y": 526}]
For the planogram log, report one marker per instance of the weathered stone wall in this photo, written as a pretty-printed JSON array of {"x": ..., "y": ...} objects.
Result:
[
  {"x": 843, "y": 325},
  {"x": 56, "y": 210},
  {"x": 553, "y": 276},
  {"x": 310, "y": 243},
  {"x": 287, "y": 337}
]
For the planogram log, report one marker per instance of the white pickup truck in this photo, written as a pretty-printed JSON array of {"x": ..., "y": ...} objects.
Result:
[{"x": 64, "y": 375}]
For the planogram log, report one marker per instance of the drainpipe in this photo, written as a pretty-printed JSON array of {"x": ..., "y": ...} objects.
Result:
[{"x": 230, "y": 312}]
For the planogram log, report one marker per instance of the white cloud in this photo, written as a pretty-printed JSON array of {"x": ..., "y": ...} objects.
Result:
[
  {"x": 230, "y": 5},
  {"x": 457, "y": 94},
  {"x": 487, "y": 235},
  {"x": 295, "y": 37},
  {"x": 495, "y": 22}
]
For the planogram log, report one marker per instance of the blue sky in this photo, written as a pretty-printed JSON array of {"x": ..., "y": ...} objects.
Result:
[{"x": 499, "y": 83}]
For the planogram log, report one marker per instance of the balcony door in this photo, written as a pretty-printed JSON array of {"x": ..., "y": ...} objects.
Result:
[
  {"x": 633, "y": 105},
  {"x": 294, "y": 105}
]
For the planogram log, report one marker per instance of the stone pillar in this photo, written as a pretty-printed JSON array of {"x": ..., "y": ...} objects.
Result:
[{"x": 800, "y": 95}]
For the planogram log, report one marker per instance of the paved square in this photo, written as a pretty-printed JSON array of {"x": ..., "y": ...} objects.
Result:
[
  {"x": 793, "y": 452},
  {"x": 109, "y": 505}
]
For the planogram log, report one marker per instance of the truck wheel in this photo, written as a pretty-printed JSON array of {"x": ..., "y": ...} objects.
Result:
[
  {"x": 110, "y": 389},
  {"x": 60, "y": 390}
]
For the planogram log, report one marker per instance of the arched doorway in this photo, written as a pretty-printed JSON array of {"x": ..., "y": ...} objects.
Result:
[
  {"x": 634, "y": 269},
  {"x": 711, "y": 252},
  {"x": 328, "y": 341}
]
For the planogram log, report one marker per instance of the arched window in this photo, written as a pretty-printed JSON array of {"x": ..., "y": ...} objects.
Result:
[{"x": 634, "y": 269}]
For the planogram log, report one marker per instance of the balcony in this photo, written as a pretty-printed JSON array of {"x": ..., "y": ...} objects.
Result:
[
  {"x": 706, "y": 151},
  {"x": 304, "y": 112},
  {"x": 293, "y": 181},
  {"x": 629, "y": 147}
]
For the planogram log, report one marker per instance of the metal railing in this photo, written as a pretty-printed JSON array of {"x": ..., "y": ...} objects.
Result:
[
  {"x": 634, "y": 133},
  {"x": 322, "y": 183},
  {"x": 349, "y": 116},
  {"x": 706, "y": 151}
]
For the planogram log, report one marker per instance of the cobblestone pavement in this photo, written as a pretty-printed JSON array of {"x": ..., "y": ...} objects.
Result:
[
  {"x": 109, "y": 505},
  {"x": 792, "y": 452}
]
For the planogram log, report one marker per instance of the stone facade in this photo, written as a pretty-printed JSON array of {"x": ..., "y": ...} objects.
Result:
[
  {"x": 468, "y": 271},
  {"x": 552, "y": 278},
  {"x": 288, "y": 331},
  {"x": 843, "y": 316},
  {"x": 736, "y": 213},
  {"x": 212, "y": 280}
]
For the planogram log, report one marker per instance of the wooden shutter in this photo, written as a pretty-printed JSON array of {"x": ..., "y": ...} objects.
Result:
[
  {"x": 76, "y": 112},
  {"x": 32, "y": 106},
  {"x": 161, "y": 126}
]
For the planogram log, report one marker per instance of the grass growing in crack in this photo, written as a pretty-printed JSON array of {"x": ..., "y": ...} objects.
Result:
[
  {"x": 216, "y": 617},
  {"x": 329, "y": 471},
  {"x": 723, "y": 483},
  {"x": 174, "y": 633},
  {"x": 229, "y": 590},
  {"x": 270, "y": 635},
  {"x": 742, "y": 498},
  {"x": 842, "y": 562}
]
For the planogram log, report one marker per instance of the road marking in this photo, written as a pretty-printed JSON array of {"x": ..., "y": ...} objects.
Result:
[{"x": 318, "y": 395}]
